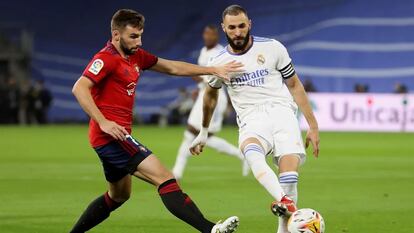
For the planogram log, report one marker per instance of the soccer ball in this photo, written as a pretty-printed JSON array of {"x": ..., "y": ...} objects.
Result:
[{"x": 306, "y": 221}]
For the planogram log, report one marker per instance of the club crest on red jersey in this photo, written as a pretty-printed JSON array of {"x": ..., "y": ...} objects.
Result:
[
  {"x": 131, "y": 88},
  {"x": 136, "y": 68}
]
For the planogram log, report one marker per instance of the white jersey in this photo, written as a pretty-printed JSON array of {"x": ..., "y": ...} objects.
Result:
[
  {"x": 206, "y": 54},
  {"x": 266, "y": 65},
  {"x": 196, "y": 114},
  {"x": 204, "y": 58}
]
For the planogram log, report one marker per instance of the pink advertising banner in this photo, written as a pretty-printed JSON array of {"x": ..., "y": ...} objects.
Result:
[{"x": 362, "y": 112}]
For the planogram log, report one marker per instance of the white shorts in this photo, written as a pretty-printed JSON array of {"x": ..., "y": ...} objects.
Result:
[
  {"x": 196, "y": 114},
  {"x": 277, "y": 129}
]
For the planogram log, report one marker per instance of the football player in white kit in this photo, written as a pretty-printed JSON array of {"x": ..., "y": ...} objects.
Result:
[
  {"x": 265, "y": 97},
  {"x": 211, "y": 49}
]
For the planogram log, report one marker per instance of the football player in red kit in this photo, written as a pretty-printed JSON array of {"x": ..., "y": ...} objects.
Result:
[{"x": 106, "y": 91}]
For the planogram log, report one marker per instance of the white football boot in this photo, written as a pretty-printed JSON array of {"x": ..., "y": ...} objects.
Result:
[{"x": 227, "y": 226}]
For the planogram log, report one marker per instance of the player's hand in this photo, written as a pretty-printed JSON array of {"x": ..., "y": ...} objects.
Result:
[
  {"x": 112, "y": 128},
  {"x": 313, "y": 137},
  {"x": 230, "y": 67},
  {"x": 199, "y": 142}
]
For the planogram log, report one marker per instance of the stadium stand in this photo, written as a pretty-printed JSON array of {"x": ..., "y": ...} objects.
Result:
[{"x": 369, "y": 45}]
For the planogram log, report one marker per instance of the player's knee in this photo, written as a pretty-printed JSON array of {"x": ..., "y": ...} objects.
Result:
[
  {"x": 121, "y": 197},
  {"x": 163, "y": 176},
  {"x": 252, "y": 148},
  {"x": 167, "y": 175},
  {"x": 249, "y": 142},
  {"x": 289, "y": 163}
]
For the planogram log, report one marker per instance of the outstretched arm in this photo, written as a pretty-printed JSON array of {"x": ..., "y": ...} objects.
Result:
[
  {"x": 209, "y": 104},
  {"x": 299, "y": 95},
  {"x": 180, "y": 68},
  {"x": 82, "y": 91}
]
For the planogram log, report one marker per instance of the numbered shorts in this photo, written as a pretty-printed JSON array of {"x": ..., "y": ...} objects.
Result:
[
  {"x": 276, "y": 127},
  {"x": 120, "y": 158}
]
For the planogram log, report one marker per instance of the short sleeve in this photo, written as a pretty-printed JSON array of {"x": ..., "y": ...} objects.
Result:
[
  {"x": 145, "y": 59},
  {"x": 283, "y": 61},
  {"x": 212, "y": 80},
  {"x": 99, "y": 67}
]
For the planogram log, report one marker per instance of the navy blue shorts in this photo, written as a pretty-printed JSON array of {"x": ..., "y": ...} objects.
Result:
[{"x": 120, "y": 158}]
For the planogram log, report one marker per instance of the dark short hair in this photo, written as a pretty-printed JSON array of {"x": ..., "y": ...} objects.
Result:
[
  {"x": 234, "y": 10},
  {"x": 125, "y": 17},
  {"x": 212, "y": 27}
]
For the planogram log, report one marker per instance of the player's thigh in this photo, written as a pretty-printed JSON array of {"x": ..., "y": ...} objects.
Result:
[
  {"x": 154, "y": 170},
  {"x": 120, "y": 190},
  {"x": 121, "y": 158},
  {"x": 141, "y": 176},
  {"x": 287, "y": 137},
  {"x": 256, "y": 129}
]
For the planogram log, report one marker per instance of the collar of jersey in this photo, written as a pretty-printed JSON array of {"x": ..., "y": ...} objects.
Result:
[
  {"x": 109, "y": 44},
  {"x": 238, "y": 54}
]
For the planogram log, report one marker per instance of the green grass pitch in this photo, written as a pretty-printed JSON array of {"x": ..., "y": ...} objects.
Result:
[{"x": 362, "y": 183}]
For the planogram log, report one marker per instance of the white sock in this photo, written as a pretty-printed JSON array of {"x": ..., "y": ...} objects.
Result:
[
  {"x": 183, "y": 155},
  {"x": 256, "y": 158},
  {"x": 289, "y": 183},
  {"x": 223, "y": 146}
]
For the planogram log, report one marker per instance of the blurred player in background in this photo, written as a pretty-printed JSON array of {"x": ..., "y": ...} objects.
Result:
[
  {"x": 211, "y": 49},
  {"x": 265, "y": 96},
  {"x": 106, "y": 91}
]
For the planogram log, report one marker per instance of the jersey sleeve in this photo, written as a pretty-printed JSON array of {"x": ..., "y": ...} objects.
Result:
[
  {"x": 283, "y": 61},
  {"x": 145, "y": 59},
  {"x": 212, "y": 80},
  {"x": 99, "y": 67}
]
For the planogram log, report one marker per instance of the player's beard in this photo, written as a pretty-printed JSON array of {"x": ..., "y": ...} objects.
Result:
[
  {"x": 125, "y": 49},
  {"x": 239, "y": 47}
]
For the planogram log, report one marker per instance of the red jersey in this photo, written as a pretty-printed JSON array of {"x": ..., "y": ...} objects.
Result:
[{"x": 115, "y": 79}]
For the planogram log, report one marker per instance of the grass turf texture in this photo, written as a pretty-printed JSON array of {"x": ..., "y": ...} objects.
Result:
[{"x": 363, "y": 182}]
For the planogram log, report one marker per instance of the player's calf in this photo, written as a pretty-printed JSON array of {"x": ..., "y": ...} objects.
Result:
[
  {"x": 97, "y": 212},
  {"x": 289, "y": 182},
  {"x": 181, "y": 205},
  {"x": 256, "y": 158}
]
